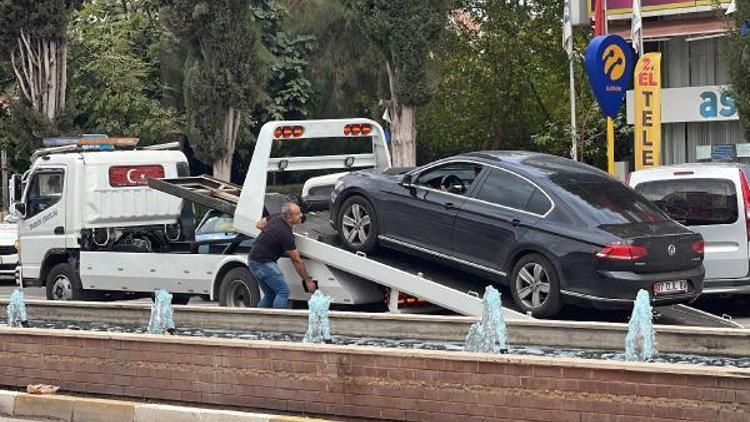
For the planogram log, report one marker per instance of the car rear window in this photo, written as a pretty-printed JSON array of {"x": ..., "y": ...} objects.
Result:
[
  {"x": 604, "y": 201},
  {"x": 694, "y": 202}
]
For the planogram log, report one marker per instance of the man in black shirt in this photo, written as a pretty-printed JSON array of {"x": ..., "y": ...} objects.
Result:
[{"x": 277, "y": 239}]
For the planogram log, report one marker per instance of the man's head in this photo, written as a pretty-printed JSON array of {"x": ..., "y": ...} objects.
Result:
[{"x": 291, "y": 213}]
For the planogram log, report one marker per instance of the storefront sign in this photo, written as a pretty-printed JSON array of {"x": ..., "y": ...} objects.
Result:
[
  {"x": 648, "y": 111},
  {"x": 618, "y": 7},
  {"x": 609, "y": 65},
  {"x": 692, "y": 104}
]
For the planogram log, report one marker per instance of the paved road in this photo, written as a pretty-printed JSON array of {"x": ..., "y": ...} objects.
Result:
[{"x": 736, "y": 307}]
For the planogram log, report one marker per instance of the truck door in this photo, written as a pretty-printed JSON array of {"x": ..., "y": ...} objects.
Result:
[{"x": 42, "y": 229}]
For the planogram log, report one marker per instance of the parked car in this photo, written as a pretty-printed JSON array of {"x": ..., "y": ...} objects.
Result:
[
  {"x": 712, "y": 199},
  {"x": 316, "y": 192},
  {"x": 8, "y": 251},
  {"x": 215, "y": 235},
  {"x": 554, "y": 230}
]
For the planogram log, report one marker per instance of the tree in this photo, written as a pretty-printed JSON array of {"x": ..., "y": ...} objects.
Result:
[
  {"x": 739, "y": 63},
  {"x": 404, "y": 31},
  {"x": 114, "y": 49},
  {"x": 225, "y": 72},
  {"x": 32, "y": 33},
  {"x": 346, "y": 71}
]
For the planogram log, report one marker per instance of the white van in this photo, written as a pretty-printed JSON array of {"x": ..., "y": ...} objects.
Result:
[{"x": 712, "y": 199}]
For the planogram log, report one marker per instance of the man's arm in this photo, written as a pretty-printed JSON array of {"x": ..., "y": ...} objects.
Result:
[
  {"x": 294, "y": 255},
  {"x": 262, "y": 223}
]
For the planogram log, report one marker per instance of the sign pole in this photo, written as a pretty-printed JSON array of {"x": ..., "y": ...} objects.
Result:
[
  {"x": 610, "y": 146},
  {"x": 573, "y": 129}
]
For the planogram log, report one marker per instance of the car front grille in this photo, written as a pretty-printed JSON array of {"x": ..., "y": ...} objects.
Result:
[{"x": 7, "y": 250}]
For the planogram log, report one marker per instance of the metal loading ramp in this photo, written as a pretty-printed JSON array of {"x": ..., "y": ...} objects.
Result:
[{"x": 223, "y": 196}]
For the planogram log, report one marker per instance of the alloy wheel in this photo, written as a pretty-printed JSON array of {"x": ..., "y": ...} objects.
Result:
[
  {"x": 533, "y": 285},
  {"x": 356, "y": 225}
]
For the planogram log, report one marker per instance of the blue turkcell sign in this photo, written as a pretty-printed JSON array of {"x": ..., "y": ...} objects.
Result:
[{"x": 609, "y": 64}]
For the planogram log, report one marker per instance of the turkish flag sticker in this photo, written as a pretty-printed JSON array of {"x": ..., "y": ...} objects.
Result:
[{"x": 121, "y": 176}]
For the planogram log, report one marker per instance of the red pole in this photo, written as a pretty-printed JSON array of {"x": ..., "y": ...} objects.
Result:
[{"x": 600, "y": 17}]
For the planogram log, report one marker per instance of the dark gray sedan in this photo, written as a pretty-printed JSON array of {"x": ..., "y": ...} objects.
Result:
[{"x": 554, "y": 230}]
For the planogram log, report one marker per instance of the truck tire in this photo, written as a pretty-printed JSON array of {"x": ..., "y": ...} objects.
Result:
[
  {"x": 357, "y": 225},
  {"x": 63, "y": 283},
  {"x": 239, "y": 289}
]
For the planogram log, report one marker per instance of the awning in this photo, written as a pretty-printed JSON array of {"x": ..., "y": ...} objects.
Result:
[{"x": 674, "y": 28}]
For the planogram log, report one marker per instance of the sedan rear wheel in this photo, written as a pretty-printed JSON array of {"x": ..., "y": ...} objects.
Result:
[{"x": 535, "y": 286}]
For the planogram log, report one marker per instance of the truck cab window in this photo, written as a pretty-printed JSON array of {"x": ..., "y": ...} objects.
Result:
[{"x": 45, "y": 190}]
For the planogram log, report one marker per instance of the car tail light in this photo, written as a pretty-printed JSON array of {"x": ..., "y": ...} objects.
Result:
[
  {"x": 121, "y": 176},
  {"x": 699, "y": 246},
  {"x": 622, "y": 252},
  {"x": 746, "y": 201}
]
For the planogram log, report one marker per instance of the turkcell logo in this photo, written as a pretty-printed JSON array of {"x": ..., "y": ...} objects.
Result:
[
  {"x": 714, "y": 105},
  {"x": 609, "y": 65},
  {"x": 614, "y": 62}
]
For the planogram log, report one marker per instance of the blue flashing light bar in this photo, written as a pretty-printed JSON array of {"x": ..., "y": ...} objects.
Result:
[{"x": 58, "y": 141}]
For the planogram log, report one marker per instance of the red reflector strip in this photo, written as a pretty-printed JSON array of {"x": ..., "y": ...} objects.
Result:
[
  {"x": 357, "y": 129},
  {"x": 288, "y": 132},
  {"x": 121, "y": 176}
]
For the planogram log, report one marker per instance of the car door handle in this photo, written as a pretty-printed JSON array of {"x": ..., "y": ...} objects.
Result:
[
  {"x": 449, "y": 206},
  {"x": 60, "y": 230},
  {"x": 516, "y": 222}
]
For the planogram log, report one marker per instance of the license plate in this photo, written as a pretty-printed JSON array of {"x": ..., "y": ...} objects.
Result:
[{"x": 670, "y": 287}]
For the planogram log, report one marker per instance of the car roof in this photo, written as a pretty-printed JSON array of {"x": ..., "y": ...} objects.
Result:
[
  {"x": 702, "y": 166},
  {"x": 540, "y": 166}
]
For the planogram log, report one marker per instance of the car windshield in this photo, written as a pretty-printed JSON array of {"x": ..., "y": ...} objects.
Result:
[
  {"x": 605, "y": 201},
  {"x": 216, "y": 223}
]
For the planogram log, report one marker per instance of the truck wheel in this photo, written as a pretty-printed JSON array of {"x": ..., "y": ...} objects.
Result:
[
  {"x": 535, "y": 286},
  {"x": 357, "y": 224},
  {"x": 239, "y": 289},
  {"x": 64, "y": 284}
]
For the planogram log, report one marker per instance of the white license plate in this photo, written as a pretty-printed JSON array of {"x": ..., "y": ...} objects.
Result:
[{"x": 670, "y": 287}]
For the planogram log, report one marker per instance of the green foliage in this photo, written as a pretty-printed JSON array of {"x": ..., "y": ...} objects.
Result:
[
  {"x": 226, "y": 67},
  {"x": 47, "y": 19},
  {"x": 739, "y": 65},
  {"x": 346, "y": 72},
  {"x": 504, "y": 85},
  {"x": 114, "y": 60},
  {"x": 405, "y": 31}
]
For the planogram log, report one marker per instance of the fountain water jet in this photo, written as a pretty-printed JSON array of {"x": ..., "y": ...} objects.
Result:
[
  {"x": 490, "y": 334},
  {"x": 640, "y": 343},
  {"x": 162, "y": 314},
  {"x": 16, "y": 310},
  {"x": 319, "y": 327}
]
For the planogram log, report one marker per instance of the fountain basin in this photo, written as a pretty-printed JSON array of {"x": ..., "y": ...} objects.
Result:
[
  {"x": 541, "y": 333},
  {"x": 368, "y": 382}
]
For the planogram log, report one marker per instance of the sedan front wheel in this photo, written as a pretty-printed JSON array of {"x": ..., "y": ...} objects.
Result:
[{"x": 357, "y": 225}]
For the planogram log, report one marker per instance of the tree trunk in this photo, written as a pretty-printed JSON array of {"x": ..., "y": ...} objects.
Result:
[
  {"x": 223, "y": 166},
  {"x": 40, "y": 66},
  {"x": 403, "y": 127}
]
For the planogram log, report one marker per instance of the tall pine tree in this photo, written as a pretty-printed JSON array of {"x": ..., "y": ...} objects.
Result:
[{"x": 225, "y": 72}]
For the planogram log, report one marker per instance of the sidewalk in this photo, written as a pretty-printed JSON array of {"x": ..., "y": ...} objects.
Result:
[{"x": 82, "y": 409}]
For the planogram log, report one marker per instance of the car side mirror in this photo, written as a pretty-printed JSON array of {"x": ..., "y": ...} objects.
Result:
[
  {"x": 20, "y": 209},
  {"x": 406, "y": 181},
  {"x": 16, "y": 187}
]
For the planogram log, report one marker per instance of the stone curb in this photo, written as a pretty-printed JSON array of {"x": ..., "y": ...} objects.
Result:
[{"x": 82, "y": 409}]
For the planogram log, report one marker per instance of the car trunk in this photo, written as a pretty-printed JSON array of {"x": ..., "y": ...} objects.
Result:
[{"x": 668, "y": 247}]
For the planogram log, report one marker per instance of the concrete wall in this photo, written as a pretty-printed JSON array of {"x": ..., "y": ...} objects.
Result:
[{"x": 359, "y": 382}]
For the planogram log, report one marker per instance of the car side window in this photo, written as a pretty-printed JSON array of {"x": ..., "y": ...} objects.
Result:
[
  {"x": 455, "y": 177},
  {"x": 508, "y": 190},
  {"x": 45, "y": 190}
]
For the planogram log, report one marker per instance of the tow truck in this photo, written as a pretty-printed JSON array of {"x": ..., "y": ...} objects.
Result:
[{"x": 102, "y": 216}]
